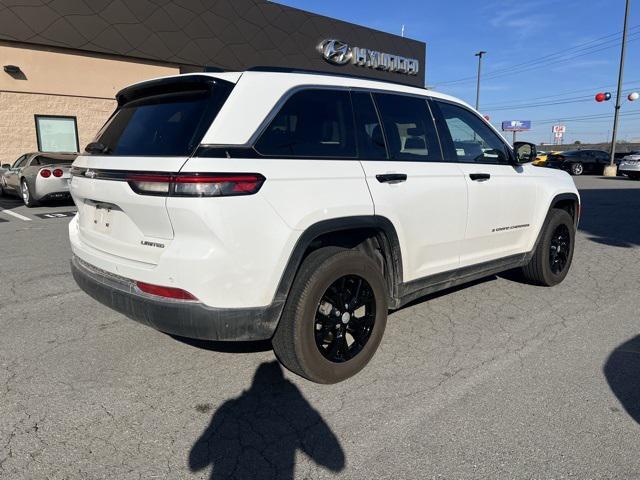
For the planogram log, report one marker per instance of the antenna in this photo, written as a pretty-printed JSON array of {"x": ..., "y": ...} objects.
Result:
[{"x": 402, "y": 30}]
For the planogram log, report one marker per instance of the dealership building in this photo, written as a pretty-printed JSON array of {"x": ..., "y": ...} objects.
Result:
[{"x": 63, "y": 61}]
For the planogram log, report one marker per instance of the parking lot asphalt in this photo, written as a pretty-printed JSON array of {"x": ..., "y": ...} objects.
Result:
[{"x": 497, "y": 379}]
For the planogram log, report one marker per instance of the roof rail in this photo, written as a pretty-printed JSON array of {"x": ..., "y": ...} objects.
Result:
[{"x": 262, "y": 68}]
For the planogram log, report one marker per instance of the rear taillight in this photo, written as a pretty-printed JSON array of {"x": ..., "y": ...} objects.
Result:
[
  {"x": 57, "y": 173},
  {"x": 166, "y": 292},
  {"x": 46, "y": 173},
  {"x": 196, "y": 184}
]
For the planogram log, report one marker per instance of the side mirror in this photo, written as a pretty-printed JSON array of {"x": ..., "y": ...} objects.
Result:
[
  {"x": 525, "y": 152},
  {"x": 6, "y": 166}
]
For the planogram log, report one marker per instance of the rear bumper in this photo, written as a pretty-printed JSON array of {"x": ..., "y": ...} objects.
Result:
[
  {"x": 629, "y": 167},
  {"x": 50, "y": 188},
  {"x": 182, "y": 318}
]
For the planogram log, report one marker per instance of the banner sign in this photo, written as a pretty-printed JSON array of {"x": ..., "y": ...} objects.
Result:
[{"x": 516, "y": 125}]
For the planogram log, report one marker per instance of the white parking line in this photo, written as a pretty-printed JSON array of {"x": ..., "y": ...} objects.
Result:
[{"x": 14, "y": 214}]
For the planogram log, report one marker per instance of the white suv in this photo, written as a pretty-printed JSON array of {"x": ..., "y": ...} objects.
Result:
[{"x": 301, "y": 207}]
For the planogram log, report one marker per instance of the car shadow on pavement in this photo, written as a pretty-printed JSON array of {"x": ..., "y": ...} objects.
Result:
[
  {"x": 9, "y": 203},
  {"x": 257, "y": 434},
  {"x": 226, "y": 347},
  {"x": 610, "y": 216},
  {"x": 622, "y": 371}
]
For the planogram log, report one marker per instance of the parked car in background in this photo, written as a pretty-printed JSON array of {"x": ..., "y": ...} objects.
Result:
[
  {"x": 577, "y": 162},
  {"x": 541, "y": 159},
  {"x": 630, "y": 166},
  {"x": 37, "y": 177}
]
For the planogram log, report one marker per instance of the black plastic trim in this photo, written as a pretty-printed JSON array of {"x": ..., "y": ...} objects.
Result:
[
  {"x": 441, "y": 281},
  {"x": 389, "y": 240},
  {"x": 183, "y": 318}
]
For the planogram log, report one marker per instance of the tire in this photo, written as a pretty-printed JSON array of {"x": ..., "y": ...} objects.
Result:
[
  {"x": 26, "y": 195},
  {"x": 541, "y": 269},
  {"x": 634, "y": 176},
  {"x": 307, "y": 322},
  {"x": 577, "y": 169}
]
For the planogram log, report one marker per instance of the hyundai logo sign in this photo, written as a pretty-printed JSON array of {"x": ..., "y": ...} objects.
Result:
[
  {"x": 335, "y": 51},
  {"x": 341, "y": 53}
]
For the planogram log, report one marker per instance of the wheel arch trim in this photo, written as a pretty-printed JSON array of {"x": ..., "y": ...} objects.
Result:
[{"x": 389, "y": 243}]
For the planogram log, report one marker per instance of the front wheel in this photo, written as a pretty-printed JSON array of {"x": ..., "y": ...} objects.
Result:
[
  {"x": 634, "y": 176},
  {"x": 334, "y": 317},
  {"x": 553, "y": 254},
  {"x": 577, "y": 169},
  {"x": 27, "y": 196}
]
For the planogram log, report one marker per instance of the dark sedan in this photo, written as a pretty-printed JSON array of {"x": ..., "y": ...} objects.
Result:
[{"x": 577, "y": 162}]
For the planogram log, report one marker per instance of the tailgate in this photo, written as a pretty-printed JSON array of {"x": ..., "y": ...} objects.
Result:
[{"x": 112, "y": 217}]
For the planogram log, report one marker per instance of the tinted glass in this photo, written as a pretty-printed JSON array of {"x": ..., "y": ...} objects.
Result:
[
  {"x": 408, "y": 128},
  {"x": 371, "y": 145},
  {"x": 312, "y": 123},
  {"x": 167, "y": 125},
  {"x": 42, "y": 160},
  {"x": 472, "y": 139}
]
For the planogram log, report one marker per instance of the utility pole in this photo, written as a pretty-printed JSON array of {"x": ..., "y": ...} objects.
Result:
[
  {"x": 479, "y": 55},
  {"x": 611, "y": 170}
]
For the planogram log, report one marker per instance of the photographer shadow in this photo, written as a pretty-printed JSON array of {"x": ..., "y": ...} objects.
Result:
[
  {"x": 622, "y": 371},
  {"x": 257, "y": 434}
]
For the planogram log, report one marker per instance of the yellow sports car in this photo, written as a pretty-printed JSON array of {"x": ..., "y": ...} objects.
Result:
[{"x": 541, "y": 159}]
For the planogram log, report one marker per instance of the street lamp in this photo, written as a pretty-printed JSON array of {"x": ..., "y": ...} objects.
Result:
[{"x": 479, "y": 55}]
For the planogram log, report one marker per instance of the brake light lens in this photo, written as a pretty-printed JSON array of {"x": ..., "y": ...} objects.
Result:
[
  {"x": 57, "y": 173},
  {"x": 165, "y": 292},
  {"x": 196, "y": 184},
  {"x": 45, "y": 173}
]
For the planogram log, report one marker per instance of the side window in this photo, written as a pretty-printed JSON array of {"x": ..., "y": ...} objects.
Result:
[
  {"x": 371, "y": 145},
  {"x": 312, "y": 123},
  {"x": 470, "y": 138},
  {"x": 408, "y": 128}
]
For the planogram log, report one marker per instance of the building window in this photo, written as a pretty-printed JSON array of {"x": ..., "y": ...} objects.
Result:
[{"x": 57, "y": 133}]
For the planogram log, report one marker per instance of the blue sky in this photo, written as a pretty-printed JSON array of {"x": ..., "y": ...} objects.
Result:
[{"x": 574, "y": 45}]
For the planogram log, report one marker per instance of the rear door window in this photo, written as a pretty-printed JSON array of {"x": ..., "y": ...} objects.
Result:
[
  {"x": 408, "y": 128},
  {"x": 171, "y": 124},
  {"x": 314, "y": 123}
]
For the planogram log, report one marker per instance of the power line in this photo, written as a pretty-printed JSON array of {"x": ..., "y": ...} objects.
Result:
[
  {"x": 562, "y": 94},
  {"x": 589, "y": 48}
]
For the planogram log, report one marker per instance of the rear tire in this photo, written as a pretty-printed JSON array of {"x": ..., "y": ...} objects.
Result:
[
  {"x": 553, "y": 255},
  {"x": 577, "y": 169},
  {"x": 634, "y": 176},
  {"x": 26, "y": 195},
  {"x": 327, "y": 340}
]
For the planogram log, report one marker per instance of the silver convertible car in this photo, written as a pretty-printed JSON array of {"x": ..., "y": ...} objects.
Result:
[{"x": 37, "y": 177}]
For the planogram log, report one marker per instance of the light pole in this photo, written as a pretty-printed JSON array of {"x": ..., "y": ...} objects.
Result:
[
  {"x": 479, "y": 55},
  {"x": 612, "y": 169}
]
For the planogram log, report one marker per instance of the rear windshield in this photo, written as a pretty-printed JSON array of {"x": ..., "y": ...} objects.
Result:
[
  {"x": 51, "y": 161},
  {"x": 161, "y": 125}
]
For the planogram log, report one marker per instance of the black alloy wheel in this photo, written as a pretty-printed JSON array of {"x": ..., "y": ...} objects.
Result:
[
  {"x": 559, "y": 249},
  {"x": 334, "y": 316},
  {"x": 345, "y": 318}
]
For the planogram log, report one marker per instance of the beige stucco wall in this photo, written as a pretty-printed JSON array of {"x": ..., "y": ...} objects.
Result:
[
  {"x": 18, "y": 127},
  {"x": 61, "y": 83}
]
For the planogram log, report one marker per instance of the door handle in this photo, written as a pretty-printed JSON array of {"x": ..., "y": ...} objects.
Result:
[
  {"x": 392, "y": 177},
  {"x": 478, "y": 177}
]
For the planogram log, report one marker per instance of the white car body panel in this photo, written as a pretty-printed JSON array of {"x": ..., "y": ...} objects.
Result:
[{"x": 428, "y": 211}]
